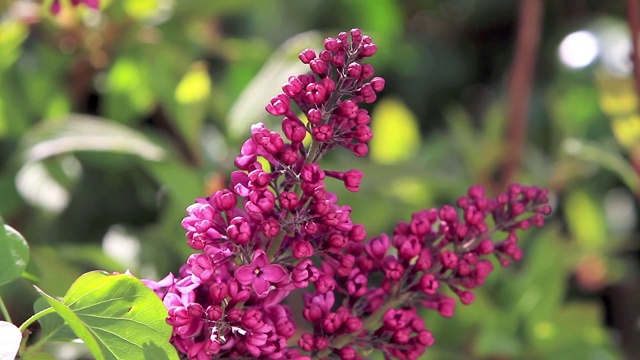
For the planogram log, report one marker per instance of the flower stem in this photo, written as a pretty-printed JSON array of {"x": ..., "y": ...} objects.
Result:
[
  {"x": 35, "y": 317},
  {"x": 4, "y": 310}
]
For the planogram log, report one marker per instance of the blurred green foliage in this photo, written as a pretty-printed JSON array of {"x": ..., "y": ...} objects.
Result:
[{"x": 112, "y": 122}]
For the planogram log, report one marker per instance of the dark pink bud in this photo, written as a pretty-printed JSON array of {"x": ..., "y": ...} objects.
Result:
[
  {"x": 428, "y": 284},
  {"x": 425, "y": 338},
  {"x": 314, "y": 116},
  {"x": 367, "y": 71},
  {"x": 225, "y": 199},
  {"x": 338, "y": 60},
  {"x": 312, "y": 173},
  {"x": 289, "y": 155},
  {"x": 363, "y": 133},
  {"x": 449, "y": 259},
  {"x": 218, "y": 292},
  {"x": 467, "y": 297},
  {"x": 464, "y": 268},
  {"x": 349, "y": 109},
  {"x": 322, "y": 132},
  {"x": 353, "y": 324},
  {"x": 293, "y": 87},
  {"x": 331, "y": 323},
  {"x": 239, "y": 230},
  {"x": 304, "y": 273},
  {"x": 424, "y": 260},
  {"x": 360, "y": 150},
  {"x": 409, "y": 248},
  {"x": 378, "y": 246},
  {"x": 394, "y": 319},
  {"x": 331, "y": 44},
  {"x": 214, "y": 312},
  {"x": 354, "y": 70},
  {"x": 270, "y": 228},
  {"x": 336, "y": 241},
  {"x": 234, "y": 314},
  {"x": 357, "y": 233},
  {"x": 347, "y": 353},
  {"x": 320, "y": 343},
  {"x": 446, "y": 306},
  {"x": 448, "y": 213},
  {"x": 329, "y": 84},
  {"x": 357, "y": 283},
  {"x": 393, "y": 270},
  {"x": 306, "y": 342},
  {"x": 252, "y": 319},
  {"x": 485, "y": 247},
  {"x": 302, "y": 250},
  {"x": 293, "y": 130},
  {"x": 315, "y": 93},
  {"x": 278, "y": 105},
  {"x": 307, "y": 55},
  {"x": 402, "y": 336},
  {"x": 368, "y": 50},
  {"x": 318, "y": 66},
  {"x": 325, "y": 284},
  {"x": 378, "y": 84},
  {"x": 325, "y": 55},
  {"x": 288, "y": 200},
  {"x": 363, "y": 117},
  {"x": 258, "y": 179}
]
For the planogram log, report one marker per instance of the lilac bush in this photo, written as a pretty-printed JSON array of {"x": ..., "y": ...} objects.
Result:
[{"x": 276, "y": 229}]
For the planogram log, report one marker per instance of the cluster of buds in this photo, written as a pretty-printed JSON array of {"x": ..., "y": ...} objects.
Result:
[{"x": 277, "y": 229}]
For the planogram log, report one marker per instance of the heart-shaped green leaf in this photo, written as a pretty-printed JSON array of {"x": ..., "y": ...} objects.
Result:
[
  {"x": 14, "y": 253},
  {"x": 116, "y": 316}
]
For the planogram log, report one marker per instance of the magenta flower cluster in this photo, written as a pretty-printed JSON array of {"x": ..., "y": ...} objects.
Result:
[
  {"x": 56, "y": 5},
  {"x": 277, "y": 229}
]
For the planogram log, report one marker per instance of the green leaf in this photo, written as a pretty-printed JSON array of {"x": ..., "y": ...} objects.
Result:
[
  {"x": 116, "y": 316},
  {"x": 249, "y": 107},
  {"x": 53, "y": 326},
  {"x": 10, "y": 337},
  {"x": 14, "y": 253},
  {"x": 605, "y": 158},
  {"x": 586, "y": 220},
  {"x": 396, "y": 133},
  {"x": 195, "y": 85},
  {"x": 38, "y": 356}
]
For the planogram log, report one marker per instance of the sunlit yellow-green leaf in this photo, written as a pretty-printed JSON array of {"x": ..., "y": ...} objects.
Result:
[
  {"x": 626, "y": 130},
  {"x": 127, "y": 81},
  {"x": 195, "y": 85},
  {"x": 12, "y": 34},
  {"x": 585, "y": 219},
  {"x": 617, "y": 95},
  {"x": 140, "y": 8},
  {"x": 396, "y": 136},
  {"x": 410, "y": 190}
]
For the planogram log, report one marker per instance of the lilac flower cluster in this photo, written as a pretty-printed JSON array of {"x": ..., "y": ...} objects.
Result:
[
  {"x": 56, "y": 5},
  {"x": 277, "y": 229}
]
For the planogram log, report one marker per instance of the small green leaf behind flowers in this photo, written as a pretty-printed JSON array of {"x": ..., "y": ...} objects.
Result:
[{"x": 14, "y": 253}]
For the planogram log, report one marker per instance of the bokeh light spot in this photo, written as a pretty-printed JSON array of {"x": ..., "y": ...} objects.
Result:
[{"x": 578, "y": 49}]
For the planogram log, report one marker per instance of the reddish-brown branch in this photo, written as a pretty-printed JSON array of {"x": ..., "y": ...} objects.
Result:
[
  {"x": 519, "y": 86},
  {"x": 633, "y": 17}
]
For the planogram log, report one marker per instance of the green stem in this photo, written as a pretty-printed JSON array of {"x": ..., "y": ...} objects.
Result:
[
  {"x": 4, "y": 310},
  {"x": 35, "y": 317},
  {"x": 370, "y": 323}
]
